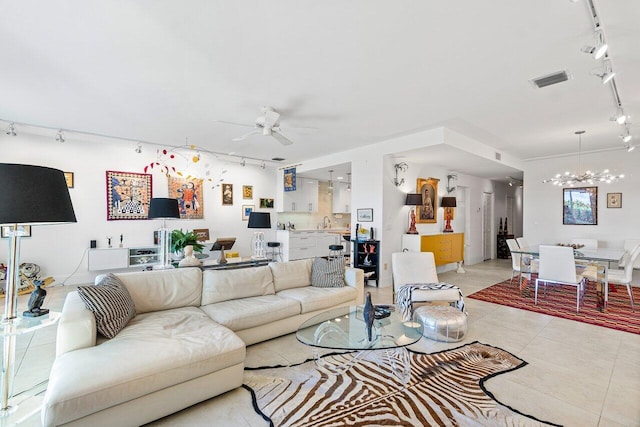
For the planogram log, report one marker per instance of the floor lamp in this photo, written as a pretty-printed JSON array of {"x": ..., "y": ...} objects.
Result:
[
  {"x": 32, "y": 195},
  {"x": 164, "y": 209},
  {"x": 413, "y": 199},
  {"x": 258, "y": 243}
]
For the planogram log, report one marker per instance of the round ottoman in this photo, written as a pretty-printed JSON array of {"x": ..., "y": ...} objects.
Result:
[{"x": 442, "y": 322}]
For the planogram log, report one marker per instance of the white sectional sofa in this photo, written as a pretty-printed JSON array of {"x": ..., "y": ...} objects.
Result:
[{"x": 186, "y": 343}]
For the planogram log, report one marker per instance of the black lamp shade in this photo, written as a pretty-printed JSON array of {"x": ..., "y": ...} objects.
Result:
[
  {"x": 413, "y": 199},
  {"x": 34, "y": 195},
  {"x": 259, "y": 220},
  {"x": 163, "y": 208},
  {"x": 448, "y": 202}
]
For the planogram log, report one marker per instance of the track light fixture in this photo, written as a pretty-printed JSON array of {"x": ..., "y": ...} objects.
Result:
[
  {"x": 263, "y": 165},
  {"x": 139, "y": 148},
  {"x": 600, "y": 47},
  {"x": 630, "y": 148},
  {"x": 626, "y": 135},
  {"x": 243, "y": 163},
  {"x": 11, "y": 129},
  {"x": 60, "y": 136},
  {"x": 620, "y": 117},
  {"x": 402, "y": 166},
  {"x": 607, "y": 73},
  {"x": 453, "y": 177}
]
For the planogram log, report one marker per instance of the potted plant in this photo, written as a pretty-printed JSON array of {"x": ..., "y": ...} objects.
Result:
[{"x": 180, "y": 239}]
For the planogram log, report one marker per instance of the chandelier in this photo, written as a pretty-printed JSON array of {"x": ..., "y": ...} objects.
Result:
[{"x": 588, "y": 177}]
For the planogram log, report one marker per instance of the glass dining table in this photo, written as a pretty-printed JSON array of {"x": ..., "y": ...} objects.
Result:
[{"x": 602, "y": 257}]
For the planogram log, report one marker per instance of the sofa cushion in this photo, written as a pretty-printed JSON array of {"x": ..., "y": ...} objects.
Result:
[
  {"x": 292, "y": 274},
  {"x": 246, "y": 313},
  {"x": 155, "y": 351},
  {"x": 164, "y": 289},
  {"x": 224, "y": 285},
  {"x": 327, "y": 273},
  {"x": 312, "y": 298},
  {"x": 110, "y": 303}
]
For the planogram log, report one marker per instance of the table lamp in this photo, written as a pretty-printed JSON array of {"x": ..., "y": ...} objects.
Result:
[
  {"x": 448, "y": 203},
  {"x": 258, "y": 243},
  {"x": 413, "y": 199},
  {"x": 32, "y": 195},
  {"x": 164, "y": 209}
]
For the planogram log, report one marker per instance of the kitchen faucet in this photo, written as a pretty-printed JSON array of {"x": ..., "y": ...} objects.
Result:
[{"x": 327, "y": 223}]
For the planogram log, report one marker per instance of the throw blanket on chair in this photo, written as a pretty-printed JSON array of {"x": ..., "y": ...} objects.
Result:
[{"x": 405, "y": 293}]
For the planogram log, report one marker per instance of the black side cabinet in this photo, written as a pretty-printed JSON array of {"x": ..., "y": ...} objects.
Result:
[{"x": 366, "y": 255}]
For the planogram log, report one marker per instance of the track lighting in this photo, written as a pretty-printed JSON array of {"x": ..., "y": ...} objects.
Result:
[
  {"x": 11, "y": 129},
  {"x": 402, "y": 166},
  {"x": 600, "y": 47},
  {"x": 620, "y": 117},
  {"x": 630, "y": 148},
  {"x": 451, "y": 177},
  {"x": 626, "y": 135},
  {"x": 607, "y": 73},
  {"x": 263, "y": 165},
  {"x": 60, "y": 136},
  {"x": 139, "y": 148},
  {"x": 243, "y": 163}
]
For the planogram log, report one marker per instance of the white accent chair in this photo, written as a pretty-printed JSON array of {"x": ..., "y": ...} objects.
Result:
[
  {"x": 419, "y": 267},
  {"x": 558, "y": 265},
  {"x": 622, "y": 277},
  {"x": 528, "y": 260},
  {"x": 515, "y": 260},
  {"x": 629, "y": 246}
]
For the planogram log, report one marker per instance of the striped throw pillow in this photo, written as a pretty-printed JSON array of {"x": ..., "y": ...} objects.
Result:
[
  {"x": 111, "y": 304},
  {"x": 327, "y": 273}
]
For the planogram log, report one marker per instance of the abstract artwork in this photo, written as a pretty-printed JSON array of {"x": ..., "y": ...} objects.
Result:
[
  {"x": 227, "y": 194},
  {"x": 247, "y": 191},
  {"x": 188, "y": 192},
  {"x": 128, "y": 195}
]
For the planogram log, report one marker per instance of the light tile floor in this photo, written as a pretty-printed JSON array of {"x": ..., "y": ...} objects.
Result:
[{"x": 577, "y": 374}]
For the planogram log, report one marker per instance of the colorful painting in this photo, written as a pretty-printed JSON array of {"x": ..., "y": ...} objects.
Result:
[
  {"x": 580, "y": 206},
  {"x": 188, "y": 192},
  {"x": 266, "y": 203},
  {"x": 128, "y": 195},
  {"x": 247, "y": 191},
  {"x": 429, "y": 190},
  {"x": 246, "y": 211},
  {"x": 227, "y": 194},
  {"x": 290, "y": 179},
  {"x": 68, "y": 176}
]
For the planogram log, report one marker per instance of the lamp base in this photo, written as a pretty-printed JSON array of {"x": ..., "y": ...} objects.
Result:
[
  {"x": 447, "y": 231},
  {"x": 36, "y": 312},
  {"x": 412, "y": 231}
]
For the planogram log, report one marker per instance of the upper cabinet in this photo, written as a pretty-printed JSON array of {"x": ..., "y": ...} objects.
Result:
[
  {"x": 304, "y": 199},
  {"x": 341, "y": 199}
]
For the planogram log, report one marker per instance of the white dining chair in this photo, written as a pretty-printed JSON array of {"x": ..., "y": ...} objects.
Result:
[
  {"x": 622, "y": 277},
  {"x": 558, "y": 265},
  {"x": 515, "y": 260},
  {"x": 528, "y": 260}
]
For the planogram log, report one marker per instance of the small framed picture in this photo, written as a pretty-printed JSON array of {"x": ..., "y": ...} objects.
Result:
[
  {"x": 23, "y": 230},
  {"x": 247, "y": 192},
  {"x": 614, "y": 200},
  {"x": 246, "y": 211},
  {"x": 68, "y": 176},
  {"x": 266, "y": 203},
  {"x": 202, "y": 233},
  {"x": 227, "y": 194},
  {"x": 365, "y": 215}
]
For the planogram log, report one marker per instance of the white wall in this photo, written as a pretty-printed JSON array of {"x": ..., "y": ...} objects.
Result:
[
  {"x": 60, "y": 249},
  {"x": 543, "y": 202}
]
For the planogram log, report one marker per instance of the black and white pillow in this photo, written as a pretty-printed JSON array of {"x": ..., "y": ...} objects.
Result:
[
  {"x": 327, "y": 273},
  {"x": 111, "y": 304}
]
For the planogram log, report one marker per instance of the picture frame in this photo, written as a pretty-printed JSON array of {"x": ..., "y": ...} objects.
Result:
[
  {"x": 266, "y": 203},
  {"x": 289, "y": 179},
  {"x": 247, "y": 192},
  {"x": 128, "y": 195},
  {"x": 427, "y": 213},
  {"x": 5, "y": 231},
  {"x": 189, "y": 194},
  {"x": 68, "y": 176},
  {"x": 246, "y": 211},
  {"x": 227, "y": 194},
  {"x": 580, "y": 206},
  {"x": 614, "y": 200},
  {"x": 365, "y": 215},
  {"x": 202, "y": 233}
]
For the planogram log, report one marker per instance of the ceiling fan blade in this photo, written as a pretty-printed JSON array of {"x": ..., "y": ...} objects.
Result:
[
  {"x": 234, "y": 123},
  {"x": 281, "y": 138},
  {"x": 246, "y": 135}
]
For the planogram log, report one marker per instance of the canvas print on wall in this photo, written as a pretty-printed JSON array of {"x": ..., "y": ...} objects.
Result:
[
  {"x": 128, "y": 195},
  {"x": 580, "y": 206},
  {"x": 266, "y": 203},
  {"x": 227, "y": 194},
  {"x": 247, "y": 191},
  {"x": 429, "y": 190},
  {"x": 188, "y": 192},
  {"x": 290, "y": 179}
]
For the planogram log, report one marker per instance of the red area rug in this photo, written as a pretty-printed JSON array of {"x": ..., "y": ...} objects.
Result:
[{"x": 560, "y": 301}]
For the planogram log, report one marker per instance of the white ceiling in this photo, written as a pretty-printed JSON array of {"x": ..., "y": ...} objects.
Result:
[{"x": 359, "y": 71}]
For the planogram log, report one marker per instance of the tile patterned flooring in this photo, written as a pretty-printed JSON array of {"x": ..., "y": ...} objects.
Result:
[{"x": 577, "y": 374}]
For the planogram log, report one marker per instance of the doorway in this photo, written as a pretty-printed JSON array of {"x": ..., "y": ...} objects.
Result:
[{"x": 487, "y": 226}]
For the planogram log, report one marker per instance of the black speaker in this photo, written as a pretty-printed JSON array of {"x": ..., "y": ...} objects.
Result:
[{"x": 92, "y": 244}]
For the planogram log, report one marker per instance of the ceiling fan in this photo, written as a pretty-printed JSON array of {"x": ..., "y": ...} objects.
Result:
[{"x": 268, "y": 124}]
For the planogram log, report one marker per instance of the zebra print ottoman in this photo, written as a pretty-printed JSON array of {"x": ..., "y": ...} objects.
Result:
[{"x": 442, "y": 322}]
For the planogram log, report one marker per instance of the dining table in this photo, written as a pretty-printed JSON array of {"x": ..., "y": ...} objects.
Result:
[{"x": 599, "y": 257}]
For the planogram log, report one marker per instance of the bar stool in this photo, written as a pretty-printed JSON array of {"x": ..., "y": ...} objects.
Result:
[
  {"x": 274, "y": 253},
  {"x": 336, "y": 252}
]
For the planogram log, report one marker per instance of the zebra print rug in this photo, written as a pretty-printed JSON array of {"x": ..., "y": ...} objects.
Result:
[{"x": 445, "y": 389}]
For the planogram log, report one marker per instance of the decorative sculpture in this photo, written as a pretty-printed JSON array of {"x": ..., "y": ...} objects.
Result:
[
  {"x": 369, "y": 314},
  {"x": 36, "y": 299}
]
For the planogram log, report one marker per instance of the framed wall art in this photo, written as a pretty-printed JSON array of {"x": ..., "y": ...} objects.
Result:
[
  {"x": 68, "y": 176},
  {"x": 290, "y": 179},
  {"x": 429, "y": 189},
  {"x": 128, "y": 195},
  {"x": 227, "y": 194},
  {"x": 188, "y": 192},
  {"x": 580, "y": 206},
  {"x": 202, "y": 233},
  {"x": 247, "y": 192},
  {"x": 266, "y": 203},
  {"x": 614, "y": 200},
  {"x": 246, "y": 211},
  {"x": 365, "y": 215}
]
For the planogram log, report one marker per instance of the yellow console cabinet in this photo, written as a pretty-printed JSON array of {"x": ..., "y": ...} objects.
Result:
[{"x": 446, "y": 247}]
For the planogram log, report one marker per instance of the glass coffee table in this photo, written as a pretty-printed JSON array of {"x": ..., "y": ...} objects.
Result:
[{"x": 344, "y": 328}]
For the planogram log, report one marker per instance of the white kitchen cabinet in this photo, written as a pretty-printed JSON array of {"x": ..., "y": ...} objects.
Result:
[
  {"x": 305, "y": 243},
  {"x": 341, "y": 199},
  {"x": 120, "y": 258},
  {"x": 304, "y": 199}
]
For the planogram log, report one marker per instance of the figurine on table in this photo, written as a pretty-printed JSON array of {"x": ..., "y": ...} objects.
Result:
[{"x": 36, "y": 299}]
